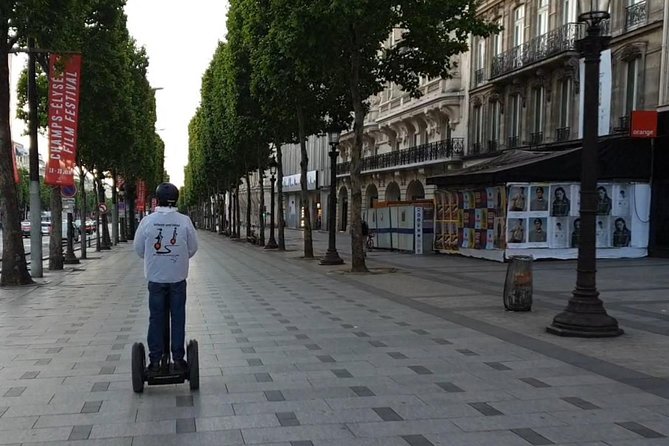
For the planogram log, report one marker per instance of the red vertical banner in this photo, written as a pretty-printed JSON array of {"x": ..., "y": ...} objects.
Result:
[
  {"x": 17, "y": 177},
  {"x": 140, "y": 202},
  {"x": 64, "y": 85}
]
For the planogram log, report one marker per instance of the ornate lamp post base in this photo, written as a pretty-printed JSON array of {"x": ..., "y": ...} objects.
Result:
[
  {"x": 331, "y": 258},
  {"x": 585, "y": 318},
  {"x": 271, "y": 244},
  {"x": 70, "y": 260}
]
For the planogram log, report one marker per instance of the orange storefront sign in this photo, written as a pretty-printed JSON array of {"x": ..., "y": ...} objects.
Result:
[{"x": 644, "y": 124}]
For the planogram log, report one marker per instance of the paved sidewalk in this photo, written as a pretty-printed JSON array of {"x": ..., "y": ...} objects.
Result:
[{"x": 293, "y": 353}]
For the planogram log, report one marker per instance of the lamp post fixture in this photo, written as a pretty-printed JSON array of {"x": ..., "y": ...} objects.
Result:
[
  {"x": 585, "y": 315},
  {"x": 271, "y": 244},
  {"x": 122, "y": 219},
  {"x": 331, "y": 255},
  {"x": 70, "y": 258}
]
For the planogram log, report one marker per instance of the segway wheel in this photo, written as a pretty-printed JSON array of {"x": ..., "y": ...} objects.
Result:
[
  {"x": 193, "y": 365},
  {"x": 138, "y": 367}
]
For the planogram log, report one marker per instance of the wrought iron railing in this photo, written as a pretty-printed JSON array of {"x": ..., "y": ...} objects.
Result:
[
  {"x": 479, "y": 76},
  {"x": 636, "y": 15},
  {"x": 536, "y": 138},
  {"x": 434, "y": 151},
  {"x": 563, "y": 134},
  {"x": 623, "y": 125},
  {"x": 554, "y": 42}
]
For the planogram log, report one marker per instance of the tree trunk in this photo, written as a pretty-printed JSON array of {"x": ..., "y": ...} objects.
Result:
[
  {"x": 261, "y": 206},
  {"x": 130, "y": 193},
  {"x": 14, "y": 265},
  {"x": 221, "y": 212},
  {"x": 238, "y": 222},
  {"x": 304, "y": 165},
  {"x": 281, "y": 223},
  {"x": 357, "y": 251},
  {"x": 83, "y": 211},
  {"x": 248, "y": 204},
  {"x": 114, "y": 210},
  {"x": 231, "y": 216},
  {"x": 56, "y": 257},
  {"x": 104, "y": 220}
]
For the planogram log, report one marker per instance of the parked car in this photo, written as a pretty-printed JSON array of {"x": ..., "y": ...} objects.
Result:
[{"x": 25, "y": 228}]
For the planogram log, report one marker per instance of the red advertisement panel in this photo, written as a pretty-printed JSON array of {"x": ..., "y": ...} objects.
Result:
[
  {"x": 140, "y": 202},
  {"x": 644, "y": 124},
  {"x": 64, "y": 85}
]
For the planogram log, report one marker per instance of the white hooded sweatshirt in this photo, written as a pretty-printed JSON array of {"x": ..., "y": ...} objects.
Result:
[{"x": 166, "y": 240}]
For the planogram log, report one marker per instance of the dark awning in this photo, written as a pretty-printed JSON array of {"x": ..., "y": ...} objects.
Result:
[{"x": 619, "y": 159}]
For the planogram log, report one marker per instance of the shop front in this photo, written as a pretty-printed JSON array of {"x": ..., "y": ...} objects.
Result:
[
  {"x": 294, "y": 209},
  {"x": 527, "y": 203}
]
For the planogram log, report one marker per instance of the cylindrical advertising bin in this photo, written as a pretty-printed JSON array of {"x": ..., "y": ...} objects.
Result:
[{"x": 518, "y": 284}]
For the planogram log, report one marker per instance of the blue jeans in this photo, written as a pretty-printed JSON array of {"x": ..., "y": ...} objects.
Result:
[{"x": 158, "y": 295}]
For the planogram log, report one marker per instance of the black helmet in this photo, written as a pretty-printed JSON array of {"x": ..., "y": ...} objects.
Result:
[{"x": 167, "y": 194}]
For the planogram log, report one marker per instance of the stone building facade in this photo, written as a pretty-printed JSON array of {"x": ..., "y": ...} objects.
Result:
[{"x": 526, "y": 81}]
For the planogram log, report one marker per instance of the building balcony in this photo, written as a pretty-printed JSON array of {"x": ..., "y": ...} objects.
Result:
[
  {"x": 553, "y": 43},
  {"x": 636, "y": 15},
  {"x": 563, "y": 134},
  {"x": 429, "y": 153},
  {"x": 623, "y": 125},
  {"x": 536, "y": 138}
]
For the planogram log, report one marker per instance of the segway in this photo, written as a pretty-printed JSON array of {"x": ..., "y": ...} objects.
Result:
[{"x": 166, "y": 373}]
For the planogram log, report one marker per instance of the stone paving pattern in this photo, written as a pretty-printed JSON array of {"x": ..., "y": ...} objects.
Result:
[{"x": 297, "y": 354}]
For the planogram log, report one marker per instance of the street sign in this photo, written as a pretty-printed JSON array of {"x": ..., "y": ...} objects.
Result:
[
  {"x": 68, "y": 204},
  {"x": 68, "y": 191},
  {"x": 102, "y": 208},
  {"x": 121, "y": 207}
]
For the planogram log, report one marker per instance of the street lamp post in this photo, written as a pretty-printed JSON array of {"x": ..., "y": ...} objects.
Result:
[
  {"x": 122, "y": 219},
  {"x": 70, "y": 258},
  {"x": 585, "y": 315},
  {"x": 331, "y": 255},
  {"x": 271, "y": 244}
]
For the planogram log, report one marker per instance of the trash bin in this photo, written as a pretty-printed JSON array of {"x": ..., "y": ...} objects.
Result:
[{"x": 518, "y": 284}]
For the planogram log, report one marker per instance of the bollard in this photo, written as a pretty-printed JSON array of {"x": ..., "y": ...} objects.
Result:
[{"x": 518, "y": 284}]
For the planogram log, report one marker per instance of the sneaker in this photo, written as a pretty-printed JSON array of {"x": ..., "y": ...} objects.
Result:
[
  {"x": 180, "y": 365},
  {"x": 154, "y": 367}
]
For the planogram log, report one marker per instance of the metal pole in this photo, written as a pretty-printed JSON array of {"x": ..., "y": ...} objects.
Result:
[
  {"x": 585, "y": 315},
  {"x": 271, "y": 244},
  {"x": 70, "y": 258},
  {"x": 35, "y": 203},
  {"x": 331, "y": 255}
]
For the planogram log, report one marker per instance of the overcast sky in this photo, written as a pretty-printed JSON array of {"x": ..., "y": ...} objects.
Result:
[{"x": 180, "y": 38}]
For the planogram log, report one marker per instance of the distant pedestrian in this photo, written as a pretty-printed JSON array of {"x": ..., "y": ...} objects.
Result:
[{"x": 166, "y": 240}]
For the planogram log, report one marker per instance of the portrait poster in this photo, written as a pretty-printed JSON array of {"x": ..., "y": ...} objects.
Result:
[
  {"x": 481, "y": 219},
  {"x": 539, "y": 197},
  {"x": 602, "y": 231},
  {"x": 604, "y": 201},
  {"x": 575, "y": 200},
  {"x": 558, "y": 233},
  {"x": 500, "y": 233},
  {"x": 560, "y": 198},
  {"x": 467, "y": 237},
  {"x": 467, "y": 200},
  {"x": 621, "y": 200},
  {"x": 517, "y": 231},
  {"x": 574, "y": 232},
  {"x": 621, "y": 235},
  {"x": 518, "y": 198},
  {"x": 537, "y": 235},
  {"x": 480, "y": 200}
]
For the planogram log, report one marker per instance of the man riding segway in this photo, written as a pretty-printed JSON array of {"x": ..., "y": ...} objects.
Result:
[{"x": 166, "y": 240}]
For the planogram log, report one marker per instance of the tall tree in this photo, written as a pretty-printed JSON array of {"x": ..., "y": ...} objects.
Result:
[
  {"x": 51, "y": 23},
  {"x": 352, "y": 38}
]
